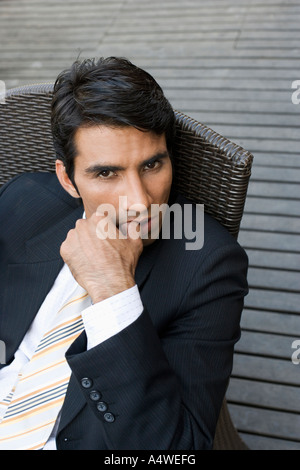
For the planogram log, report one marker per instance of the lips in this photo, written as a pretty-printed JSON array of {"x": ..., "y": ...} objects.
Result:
[
  {"x": 142, "y": 222},
  {"x": 145, "y": 226}
]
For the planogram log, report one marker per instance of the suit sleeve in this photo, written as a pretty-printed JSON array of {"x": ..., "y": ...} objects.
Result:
[{"x": 165, "y": 391}]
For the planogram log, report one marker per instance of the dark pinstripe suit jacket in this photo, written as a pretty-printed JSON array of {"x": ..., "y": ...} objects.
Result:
[{"x": 162, "y": 378}]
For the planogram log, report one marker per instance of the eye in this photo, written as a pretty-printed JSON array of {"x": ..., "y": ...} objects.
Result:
[
  {"x": 105, "y": 174},
  {"x": 152, "y": 165}
]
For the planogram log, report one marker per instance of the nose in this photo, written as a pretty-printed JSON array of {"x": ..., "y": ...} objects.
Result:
[{"x": 137, "y": 201}]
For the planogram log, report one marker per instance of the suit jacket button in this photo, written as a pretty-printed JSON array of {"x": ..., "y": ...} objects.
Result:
[
  {"x": 102, "y": 406},
  {"x": 109, "y": 417},
  {"x": 86, "y": 382},
  {"x": 95, "y": 395}
]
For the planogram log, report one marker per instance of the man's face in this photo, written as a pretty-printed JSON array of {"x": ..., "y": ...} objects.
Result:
[{"x": 114, "y": 162}]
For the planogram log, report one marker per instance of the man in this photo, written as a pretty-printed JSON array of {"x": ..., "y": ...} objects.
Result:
[{"x": 148, "y": 335}]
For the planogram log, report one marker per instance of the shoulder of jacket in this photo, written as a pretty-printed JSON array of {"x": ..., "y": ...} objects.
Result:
[{"x": 36, "y": 185}]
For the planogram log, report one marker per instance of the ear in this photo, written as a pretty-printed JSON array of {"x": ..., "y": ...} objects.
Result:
[{"x": 64, "y": 179}]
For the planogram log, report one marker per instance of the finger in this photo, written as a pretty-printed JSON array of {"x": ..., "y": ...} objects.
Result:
[
  {"x": 105, "y": 225},
  {"x": 107, "y": 211},
  {"x": 134, "y": 230},
  {"x": 66, "y": 245}
]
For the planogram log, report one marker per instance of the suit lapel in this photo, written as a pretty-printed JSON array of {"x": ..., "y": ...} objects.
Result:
[
  {"x": 28, "y": 283},
  {"x": 22, "y": 300},
  {"x": 146, "y": 262}
]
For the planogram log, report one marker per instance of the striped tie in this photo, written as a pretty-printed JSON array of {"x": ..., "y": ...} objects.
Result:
[{"x": 30, "y": 410}]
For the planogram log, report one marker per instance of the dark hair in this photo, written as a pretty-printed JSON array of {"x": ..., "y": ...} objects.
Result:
[{"x": 111, "y": 92}]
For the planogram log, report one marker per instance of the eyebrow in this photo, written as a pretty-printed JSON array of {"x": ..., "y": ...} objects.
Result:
[{"x": 97, "y": 168}]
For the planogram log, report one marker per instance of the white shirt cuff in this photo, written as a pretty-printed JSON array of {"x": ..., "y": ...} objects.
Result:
[{"x": 108, "y": 317}]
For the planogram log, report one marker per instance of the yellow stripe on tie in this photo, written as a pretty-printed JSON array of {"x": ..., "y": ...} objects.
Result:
[
  {"x": 72, "y": 301},
  {"x": 32, "y": 430}
]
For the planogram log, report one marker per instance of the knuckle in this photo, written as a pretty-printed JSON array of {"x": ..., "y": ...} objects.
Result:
[
  {"x": 78, "y": 224},
  {"x": 62, "y": 250}
]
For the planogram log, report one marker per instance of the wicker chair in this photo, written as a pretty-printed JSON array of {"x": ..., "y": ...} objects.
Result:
[{"x": 209, "y": 169}]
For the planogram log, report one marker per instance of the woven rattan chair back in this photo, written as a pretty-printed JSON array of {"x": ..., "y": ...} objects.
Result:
[{"x": 209, "y": 169}]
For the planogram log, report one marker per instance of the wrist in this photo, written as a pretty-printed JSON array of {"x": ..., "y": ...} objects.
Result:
[{"x": 100, "y": 293}]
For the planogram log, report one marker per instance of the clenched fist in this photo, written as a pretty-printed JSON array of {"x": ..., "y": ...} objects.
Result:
[{"x": 104, "y": 266}]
